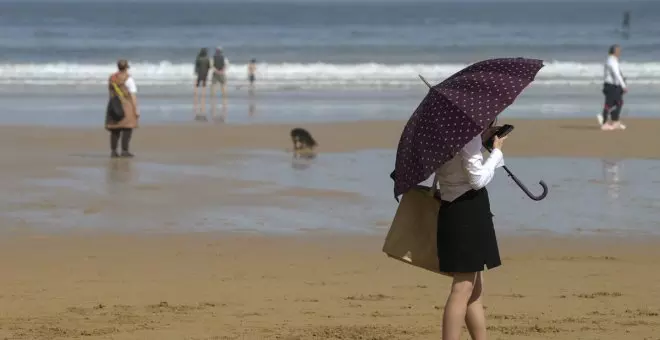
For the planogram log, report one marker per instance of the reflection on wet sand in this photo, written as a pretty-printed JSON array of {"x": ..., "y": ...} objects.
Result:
[
  {"x": 120, "y": 171},
  {"x": 252, "y": 103},
  {"x": 222, "y": 117},
  {"x": 302, "y": 162},
  {"x": 252, "y": 109},
  {"x": 612, "y": 178},
  {"x": 303, "y": 158}
]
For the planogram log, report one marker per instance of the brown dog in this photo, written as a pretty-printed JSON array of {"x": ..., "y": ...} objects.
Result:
[{"x": 303, "y": 142}]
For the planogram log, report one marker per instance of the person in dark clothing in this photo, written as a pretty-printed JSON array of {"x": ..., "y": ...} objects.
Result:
[
  {"x": 125, "y": 135},
  {"x": 625, "y": 25},
  {"x": 202, "y": 68}
]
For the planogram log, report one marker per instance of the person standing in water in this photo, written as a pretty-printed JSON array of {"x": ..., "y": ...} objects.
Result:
[
  {"x": 202, "y": 68},
  {"x": 218, "y": 78},
  {"x": 614, "y": 86},
  {"x": 626, "y": 21},
  {"x": 625, "y": 25},
  {"x": 252, "y": 71},
  {"x": 122, "y": 84}
]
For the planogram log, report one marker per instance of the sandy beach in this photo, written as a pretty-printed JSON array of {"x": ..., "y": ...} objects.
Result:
[
  {"x": 218, "y": 286},
  {"x": 215, "y": 231},
  {"x": 176, "y": 283}
]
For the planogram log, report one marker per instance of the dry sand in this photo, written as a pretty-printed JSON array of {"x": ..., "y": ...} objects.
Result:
[
  {"x": 233, "y": 286},
  {"x": 218, "y": 286}
]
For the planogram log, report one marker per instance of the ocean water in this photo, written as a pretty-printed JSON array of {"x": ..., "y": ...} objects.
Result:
[
  {"x": 56, "y": 55},
  {"x": 321, "y": 43}
]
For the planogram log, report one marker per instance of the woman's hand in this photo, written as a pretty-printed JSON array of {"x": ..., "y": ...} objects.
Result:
[
  {"x": 498, "y": 142},
  {"x": 488, "y": 133}
]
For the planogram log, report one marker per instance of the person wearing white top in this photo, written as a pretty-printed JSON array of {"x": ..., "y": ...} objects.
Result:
[
  {"x": 466, "y": 238},
  {"x": 130, "y": 85},
  {"x": 467, "y": 170},
  {"x": 614, "y": 86}
]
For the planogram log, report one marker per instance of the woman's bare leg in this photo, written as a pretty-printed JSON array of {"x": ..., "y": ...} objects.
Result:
[
  {"x": 223, "y": 92},
  {"x": 457, "y": 305},
  {"x": 223, "y": 117},
  {"x": 223, "y": 102},
  {"x": 203, "y": 101},
  {"x": 475, "y": 318},
  {"x": 213, "y": 99},
  {"x": 195, "y": 108}
]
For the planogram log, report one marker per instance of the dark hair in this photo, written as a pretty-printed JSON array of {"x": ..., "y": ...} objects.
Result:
[
  {"x": 202, "y": 53},
  {"x": 613, "y": 49},
  {"x": 122, "y": 64},
  {"x": 253, "y": 60},
  {"x": 493, "y": 123}
]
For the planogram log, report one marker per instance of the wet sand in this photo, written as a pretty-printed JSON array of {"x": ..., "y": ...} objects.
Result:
[
  {"x": 564, "y": 137},
  {"x": 240, "y": 286},
  {"x": 114, "y": 284}
]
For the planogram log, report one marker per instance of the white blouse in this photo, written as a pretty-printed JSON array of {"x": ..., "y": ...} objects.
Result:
[
  {"x": 613, "y": 73},
  {"x": 130, "y": 84},
  {"x": 467, "y": 170}
]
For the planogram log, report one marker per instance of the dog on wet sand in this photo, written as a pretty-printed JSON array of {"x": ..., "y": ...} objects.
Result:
[{"x": 303, "y": 142}]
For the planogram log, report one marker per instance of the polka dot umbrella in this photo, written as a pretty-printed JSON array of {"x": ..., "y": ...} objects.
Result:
[{"x": 454, "y": 112}]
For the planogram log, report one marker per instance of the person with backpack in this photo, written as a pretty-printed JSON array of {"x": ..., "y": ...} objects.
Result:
[
  {"x": 122, "y": 113},
  {"x": 218, "y": 77},
  {"x": 202, "y": 68}
]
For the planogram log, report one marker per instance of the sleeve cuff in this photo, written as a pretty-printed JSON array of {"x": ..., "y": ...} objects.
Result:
[
  {"x": 495, "y": 159},
  {"x": 497, "y": 153}
]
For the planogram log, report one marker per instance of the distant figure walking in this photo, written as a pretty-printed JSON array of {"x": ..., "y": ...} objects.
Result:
[
  {"x": 625, "y": 24},
  {"x": 218, "y": 77},
  {"x": 122, "y": 86},
  {"x": 252, "y": 71},
  {"x": 614, "y": 86},
  {"x": 626, "y": 20},
  {"x": 202, "y": 68}
]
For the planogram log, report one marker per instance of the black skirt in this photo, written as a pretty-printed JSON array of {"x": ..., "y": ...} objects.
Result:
[{"x": 466, "y": 234}]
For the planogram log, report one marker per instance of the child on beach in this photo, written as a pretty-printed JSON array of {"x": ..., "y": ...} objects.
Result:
[{"x": 252, "y": 70}]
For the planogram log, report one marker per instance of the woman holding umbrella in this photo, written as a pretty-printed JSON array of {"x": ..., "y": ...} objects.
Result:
[
  {"x": 466, "y": 234},
  {"x": 444, "y": 136}
]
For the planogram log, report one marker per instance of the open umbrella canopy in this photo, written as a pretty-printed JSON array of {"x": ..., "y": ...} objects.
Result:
[{"x": 454, "y": 112}]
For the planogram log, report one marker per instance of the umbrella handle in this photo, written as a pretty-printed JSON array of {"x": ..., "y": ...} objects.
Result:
[{"x": 524, "y": 188}]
